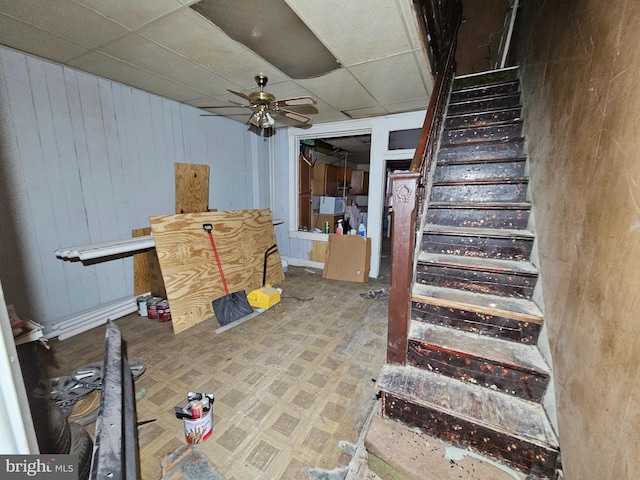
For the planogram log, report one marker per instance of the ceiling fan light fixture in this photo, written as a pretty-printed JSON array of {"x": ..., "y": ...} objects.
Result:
[
  {"x": 268, "y": 121},
  {"x": 256, "y": 118}
]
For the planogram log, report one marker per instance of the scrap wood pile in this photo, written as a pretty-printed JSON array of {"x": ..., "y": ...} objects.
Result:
[{"x": 183, "y": 267}]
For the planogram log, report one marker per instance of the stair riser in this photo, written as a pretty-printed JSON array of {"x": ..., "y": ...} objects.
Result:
[
  {"x": 480, "y": 323},
  {"x": 506, "y": 379},
  {"x": 491, "y": 193},
  {"x": 480, "y": 171},
  {"x": 483, "y": 119},
  {"x": 463, "y": 136},
  {"x": 491, "y": 283},
  {"x": 480, "y": 247},
  {"x": 483, "y": 105},
  {"x": 520, "y": 454},
  {"x": 484, "y": 91},
  {"x": 482, "y": 151},
  {"x": 478, "y": 217}
]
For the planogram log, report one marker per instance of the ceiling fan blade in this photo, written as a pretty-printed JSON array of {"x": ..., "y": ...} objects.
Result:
[
  {"x": 293, "y": 115},
  {"x": 240, "y": 94},
  {"x": 227, "y": 106},
  {"x": 292, "y": 102}
]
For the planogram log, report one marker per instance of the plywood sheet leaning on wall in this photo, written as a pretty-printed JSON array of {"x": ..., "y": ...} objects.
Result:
[
  {"x": 192, "y": 187},
  {"x": 188, "y": 264},
  {"x": 146, "y": 270}
]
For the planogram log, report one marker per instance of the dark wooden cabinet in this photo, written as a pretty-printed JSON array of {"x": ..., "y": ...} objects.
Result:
[
  {"x": 359, "y": 182},
  {"x": 325, "y": 179}
]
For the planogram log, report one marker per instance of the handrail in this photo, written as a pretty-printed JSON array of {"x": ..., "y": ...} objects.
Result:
[{"x": 408, "y": 188}]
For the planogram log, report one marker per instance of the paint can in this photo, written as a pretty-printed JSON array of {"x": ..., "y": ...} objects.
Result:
[
  {"x": 142, "y": 305},
  {"x": 152, "y": 307},
  {"x": 164, "y": 313},
  {"x": 199, "y": 429}
]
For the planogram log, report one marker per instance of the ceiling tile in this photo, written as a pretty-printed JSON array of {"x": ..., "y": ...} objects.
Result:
[
  {"x": 145, "y": 54},
  {"x": 65, "y": 19},
  {"x": 286, "y": 89},
  {"x": 410, "y": 20},
  {"x": 111, "y": 68},
  {"x": 366, "y": 112},
  {"x": 352, "y": 30},
  {"x": 392, "y": 79},
  {"x": 351, "y": 93},
  {"x": 27, "y": 38},
  {"x": 132, "y": 14},
  {"x": 408, "y": 106},
  {"x": 192, "y": 36}
]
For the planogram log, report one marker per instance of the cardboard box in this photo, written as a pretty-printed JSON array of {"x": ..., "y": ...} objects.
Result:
[
  {"x": 332, "y": 205},
  {"x": 348, "y": 258}
]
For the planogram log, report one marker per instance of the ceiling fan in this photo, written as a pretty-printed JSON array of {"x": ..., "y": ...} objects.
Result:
[{"x": 265, "y": 105}]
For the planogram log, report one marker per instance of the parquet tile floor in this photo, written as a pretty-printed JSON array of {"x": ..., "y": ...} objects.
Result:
[{"x": 291, "y": 385}]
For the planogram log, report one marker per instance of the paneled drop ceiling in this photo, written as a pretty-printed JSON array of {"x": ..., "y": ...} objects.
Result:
[{"x": 167, "y": 48}]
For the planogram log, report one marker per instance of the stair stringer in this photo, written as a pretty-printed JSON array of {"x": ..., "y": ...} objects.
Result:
[
  {"x": 549, "y": 403},
  {"x": 428, "y": 185}
]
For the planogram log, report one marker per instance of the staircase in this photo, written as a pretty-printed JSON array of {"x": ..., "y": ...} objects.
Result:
[{"x": 473, "y": 374}]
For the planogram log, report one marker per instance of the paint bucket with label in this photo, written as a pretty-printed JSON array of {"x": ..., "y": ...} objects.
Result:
[
  {"x": 164, "y": 313},
  {"x": 197, "y": 430},
  {"x": 152, "y": 307},
  {"x": 142, "y": 305}
]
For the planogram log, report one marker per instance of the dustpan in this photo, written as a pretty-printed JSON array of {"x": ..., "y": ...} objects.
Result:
[
  {"x": 265, "y": 297},
  {"x": 231, "y": 306}
]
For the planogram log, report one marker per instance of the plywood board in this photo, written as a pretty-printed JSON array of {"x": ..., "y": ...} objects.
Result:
[
  {"x": 188, "y": 264},
  {"x": 192, "y": 187},
  {"x": 147, "y": 276},
  {"x": 319, "y": 251}
]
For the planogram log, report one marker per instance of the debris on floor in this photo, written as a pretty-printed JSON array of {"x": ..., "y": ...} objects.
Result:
[
  {"x": 187, "y": 462},
  {"x": 375, "y": 294},
  {"x": 77, "y": 394}
]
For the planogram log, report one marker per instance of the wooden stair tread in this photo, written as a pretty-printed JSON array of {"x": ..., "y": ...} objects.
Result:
[
  {"x": 484, "y": 181},
  {"x": 480, "y": 264},
  {"x": 485, "y": 86},
  {"x": 471, "y": 161},
  {"x": 481, "y": 143},
  {"x": 494, "y": 410},
  {"x": 483, "y": 206},
  {"x": 483, "y": 127},
  {"x": 490, "y": 97},
  {"x": 486, "y": 143},
  {"x": 496, "y": 350},
  {"x": 484, "y": 113},
  {"x": 487, "y": 78},
  {"x": 515, "y": 308},
  {"x": 478, "y": 232}
]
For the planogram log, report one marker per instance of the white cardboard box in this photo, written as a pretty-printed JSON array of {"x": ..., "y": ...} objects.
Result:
[{"x": 332, "y": 205}]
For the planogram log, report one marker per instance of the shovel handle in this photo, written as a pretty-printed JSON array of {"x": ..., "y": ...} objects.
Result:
[{"x": 209, "y": 229}]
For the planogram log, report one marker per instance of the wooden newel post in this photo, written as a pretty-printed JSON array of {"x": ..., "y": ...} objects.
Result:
[{"x": 404, "y": 187}]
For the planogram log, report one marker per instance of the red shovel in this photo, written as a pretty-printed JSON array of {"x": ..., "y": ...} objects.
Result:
[{"x": 231, "y": 306}]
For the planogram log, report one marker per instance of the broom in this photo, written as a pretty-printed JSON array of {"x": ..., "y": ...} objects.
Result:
[{"x": 231, "y": 306}]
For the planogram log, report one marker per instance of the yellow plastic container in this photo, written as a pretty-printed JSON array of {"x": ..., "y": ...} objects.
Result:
[{"x": 265, "y": 297}]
